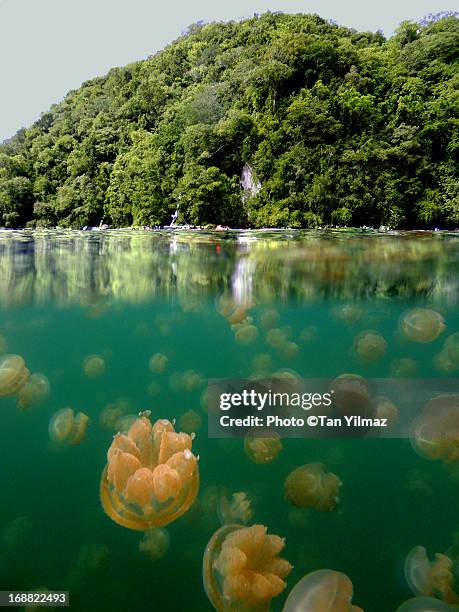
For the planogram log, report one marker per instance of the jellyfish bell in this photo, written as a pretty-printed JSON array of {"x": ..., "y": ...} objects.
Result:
[
  {"x": 351, "y": 395},
  {"x": 349, "y": 314},
  {"x": 443, "y": 362},
  {"x": 94, "y": 366},
  {"x": 13, "y": 374},
  {"x": 383, "y": 408},
  {"x": 68, "y": 428},
  {"x": 322, "y": 591},
  {"x": 158, "y": 363},
  {"x": 422, "y": 325},
  {"x": 246, "y": 334},
  {"x": 190, "y": 422},
  {"x": 270, "y": 318},
  {"x": 435, "y": 433},
  {"x": 404, "y": 367},
  {"x": 151, "y": 477},
  {"x": 370, "y": 346},
  {"x": 290, "y": 350},
  {"x": 261, "y": 448},
  {"x": 235, "y": 510},
  {"x": 34, "y": 392},
  {"x": 452, "y": 348},
  {"x": 425, "y": 604},
  {"x": 155, "y": 543},
  {"x": 242, "y": 570},
  {"x": 430, "y": 578},
  {"x": 313, "y": 486}
]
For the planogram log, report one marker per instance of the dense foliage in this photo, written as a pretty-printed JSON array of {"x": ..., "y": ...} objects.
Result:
[{"x": 340, "y": 127}]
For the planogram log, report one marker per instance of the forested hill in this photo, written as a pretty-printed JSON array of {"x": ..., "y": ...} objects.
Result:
[{"x": 339, "y": 127}]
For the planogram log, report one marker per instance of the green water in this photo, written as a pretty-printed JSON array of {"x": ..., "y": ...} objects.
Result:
[{"x": 128, "y": 295}]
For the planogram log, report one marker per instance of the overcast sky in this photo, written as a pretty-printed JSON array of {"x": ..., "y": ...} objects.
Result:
[{"x": 48, "y": 47}]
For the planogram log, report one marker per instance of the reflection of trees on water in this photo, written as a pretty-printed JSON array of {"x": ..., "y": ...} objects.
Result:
[{"x": 134, "y": 266}]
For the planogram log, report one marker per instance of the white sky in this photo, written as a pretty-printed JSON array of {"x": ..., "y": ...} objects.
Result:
[{"x": 48, "y": 47}]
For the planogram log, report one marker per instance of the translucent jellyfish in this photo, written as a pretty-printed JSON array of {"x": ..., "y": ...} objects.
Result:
[
  {"x": 111, "y": 414},
  {"x": 290, "y": 350},
  {"x": 370, "y": 346},
  {"x": 3, "y": 345},
  {"x": 313, "y": 486},
  {"x": 158, "y": 363},
  {"x": 242, "y": 570},
  {"x": 151, "y": 477},
  {"x": 262, "y": 362},
  {"x": 246, "y": 334},
  {"x": 425, "y": 604},
  {"x": 322, "y": 591},
  {"x": 262, "y": 449},
  {"x": 298, "y": 518},
  {"x": 67, "y": 428},
  {"x": 155, "y": 543},
  {"x": 385, "y": 409},
  {"x": 190, "y": 422},
  {"x": 94, "y": 366},
  {"x": 308, "y": 334},
  {"x": 236, "y": 510},
  {"x": 422, "y": 325},
  {"x": 154, "y": 388},
  {"x": 347, "y": 313},
  {"x": 13, "y": 374},
  {"x": 452, "y": 348},
  {"x": 435, "y": 434},
  {"x": 351, "y": 395},
  {"x": 34, "y": 392},
  {"x": 192, "y": 380},
  {"x": 277, "y": 338},
  {"x": 430, "y": 578},
  {"x": 403, "y": 368},
  {"x": 270, "y": 318},
  {"x": 443, "y": 362}
]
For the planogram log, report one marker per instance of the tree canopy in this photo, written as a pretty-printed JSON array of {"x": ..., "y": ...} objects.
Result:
[{"x": 340, "y": 128}]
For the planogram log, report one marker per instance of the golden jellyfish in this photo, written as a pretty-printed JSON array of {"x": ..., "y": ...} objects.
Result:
[
  {"x": 34, "y": 392},
  {"x": 422, "y": 325},
  {"x": 308, "y": 334},
  {"x": 349, "y": 314},
  {"x": 270, "y": 318},
  {"x": 13, "y": 374},
  {"x": 246, "y": 334},
  {"x": 313, "y": 486},
  {"x": 191, "y": 380},
  {"x": 298, "y": 518},
  {"x": 425, "y": 604},
  {"x": 3, "y": 345},
  {"x": 94, "y": 366},
  {"x": 68, "y": 428},
  {"x": 370, "y": 346},
  {"x": 190, "y": 422},
  {"x": 403, "y": 368},
  {"x": 158, "y": 363},
  {"x": 155, "y": 543},
  {"x": 261, "y": 449},
  {"x": 151, "y": 477},
  {"x": 262, "y": 362},
  {"x": 435, "y": 433},
  {"x": 322, "y": 591},
  {"x": 242, "y": 570},
  {"x": 277, "y": 338},
  {"x": 290, "y": 350},
  {"x": 385, "y": 409},
  {"x": 236, "y": 510},
  {"x": 154, "y": 388},
  {"x": 430, "y": 578},
  {"x": 351, "y": 395},
  {"x": 110, "y": 416},
  {"x": 443, "y": 363}
]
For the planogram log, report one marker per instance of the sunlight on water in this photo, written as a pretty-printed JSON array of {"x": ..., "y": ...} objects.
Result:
[{"x": 113, "y": 323}]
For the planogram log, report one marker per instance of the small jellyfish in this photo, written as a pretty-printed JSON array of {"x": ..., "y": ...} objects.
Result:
[
  {"x": 349, "y": 314},
  {"x": 262, "y": 362},
  {"x": 422, "y": 325},
  {"x": 452, "y": 348},
  {"x": 425, "y": 604},
  {"x": 190, "y": 422},
  {"x": 34, "y": 392},
  {"x": 262, "y": 449},
  {"x": 94, "y": 366},
  {"x": 403, "y": 368},
  {"x": 290, "y": 350},
  {"x": 151, "y": 477},
  {"x": 435, "y": 433},
  {"x": 313, "y": 486},
  {"x": 236, "y": 510},
  {"x": 443, "y": 362},
  {"x": 155, "y": 543},
  {"x": 246, "y": 334},
  {"x": 110, "y": 416},
  {"x": 154, "y": 388},
  {"x": 67, "y": 428},
  {"x": 370, "y": 346},
  {"x": 308, "y": 334},
  {"x": 385, "y": 409},
  {"x": 351, "y": 395},
  {"x": 298, "y": 518},
  {"x": 432, "y": 579},
  {"x": 158, "y": 363},
  {"x": 13, "y": 374},
  {"x": 242, "y": 570},
  {"x": 322, "y": 591},
  {"x": 191, "y": 380},
  {"x": 270, "y": 318},
  {"x": 276, "y": 338}
]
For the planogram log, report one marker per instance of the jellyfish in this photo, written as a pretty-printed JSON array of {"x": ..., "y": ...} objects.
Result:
[
  {"x": 422, "y": 325},
  {"x": 425, "y": 604},
  {"x": 246, "y": 334},
  {"x": 262, "y": 449},
  {"x": 290, "y": 350},
  {"x": 191, "y": 380},
  {"x": 351, "y": 395},
  {"x": 34, "y": 392},
  {"x": 67, "y": 428},
  {"x": 154, "y": 388},
  {"x": 158, "y": 363},
  {"x": 313, "y": 486},
  {"x": 111, "y": 414},
  {"x": 443, "y": 362},
  {"x": 322, "y": 591},
  {"x": 13, "y": 374},
  {"x": 430, "y": 578},
  {"x": 94, "y": 366},
  {"x": 385, "y": 409},
  {"x": 370, "y": 346},
  {"x": 452, "y": 348},
  {"x": 262, "y": 362},
  {"x": 308, "y": 334},
  {"x": 151, "y": 477},
  {"x": 270, "y": 318},
  {"x": 298, "y": 518},
  {"x": 435, "y": 433},
  {"x": 155, "y": 543},
  {"x": 242, "y": 570},
  {"x": 190, "y": 422},
  {"x": 236, "y": 510},
  {"x": 276, "y": 338},
  {"x": 349, "y": 314},
  {"x": 403, "y": 368}
]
